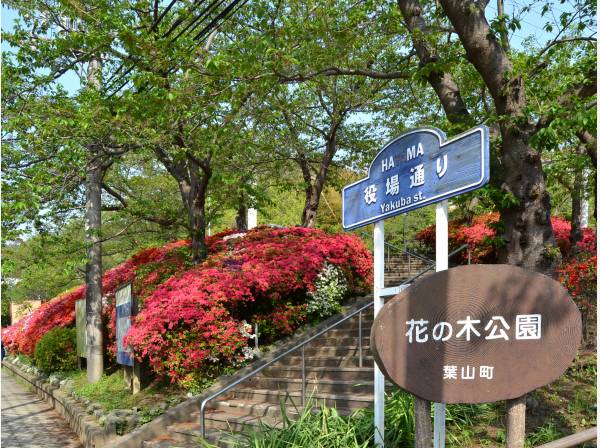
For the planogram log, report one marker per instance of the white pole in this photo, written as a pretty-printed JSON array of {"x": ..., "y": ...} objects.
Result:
[
  {"x": 252, "y": 218},
  {"x": 378, "y": 285},
  {"x": 585, "y": 203},
  {"x": 441, "y": 264}
]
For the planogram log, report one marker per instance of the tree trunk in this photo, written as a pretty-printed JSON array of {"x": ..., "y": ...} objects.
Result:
[
  {"x": 576, "y": 234},
  {"x": 314, "y": 189},
  {"x": 241, "y": 220},
  {"x": 311, "y": 206},
  {"x": 423, "y": 431},
  {"x": 515, "y": 422},
  {"x": 93, "y": 268},
  {"x": 442, "y": 82},
  {"x": 194, "y": 196},
  {"x": 528, "y": 231},
  {"x": 585, "y": 204},
  {"x": 197, "y": 220}
]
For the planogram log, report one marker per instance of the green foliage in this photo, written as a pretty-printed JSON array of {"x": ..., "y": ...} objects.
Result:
[
  {"x": 325, "y": 428},
  {"x": 399, "y": 420},
  {"x": 544, "y": 434},
  {"x": 56, "y": 351},
  {"x": 110, "y": 392}
]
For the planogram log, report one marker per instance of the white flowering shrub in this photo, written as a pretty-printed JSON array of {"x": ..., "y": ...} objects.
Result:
[{"x": 330, "y": 288}]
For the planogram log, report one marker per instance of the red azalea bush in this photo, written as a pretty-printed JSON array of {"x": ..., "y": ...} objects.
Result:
[
  {"x": 479, "y": 236},
  {"x": 23, "y": 336},
  {"x": 191, "y": 315},
  {"x": 192, "y": 322},
  {"x": 577, "y": 271}
]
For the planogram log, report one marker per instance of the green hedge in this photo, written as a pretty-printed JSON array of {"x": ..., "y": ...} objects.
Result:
[{"x": 56, "y": 351}]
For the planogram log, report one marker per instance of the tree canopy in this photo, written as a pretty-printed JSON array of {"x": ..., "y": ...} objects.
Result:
[{"x": 197, "y": 115}]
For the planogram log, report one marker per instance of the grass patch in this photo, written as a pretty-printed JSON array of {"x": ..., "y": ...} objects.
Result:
[
  {"x": 322, "y": 428},
  {"x": 564, "y": 407},
  {"x": 111, "y": 393}
]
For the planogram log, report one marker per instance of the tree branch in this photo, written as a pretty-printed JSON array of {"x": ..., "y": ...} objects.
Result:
[
  {"x": 115, "y": 194},
  {"x": 442, "y": 83},
  {"x": 337, "y": 71}
]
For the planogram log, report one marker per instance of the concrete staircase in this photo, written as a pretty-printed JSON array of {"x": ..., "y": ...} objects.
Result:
[
  {"x": 401, "y": 267},
  {"x": 335, "y": 377}
]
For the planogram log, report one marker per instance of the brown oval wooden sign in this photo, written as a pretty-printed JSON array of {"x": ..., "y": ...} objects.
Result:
[{"x": 476, "y": 334}]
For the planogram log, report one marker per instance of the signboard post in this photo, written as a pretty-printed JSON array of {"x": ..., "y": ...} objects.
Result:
[
  {"x": 125, "y": 310},
  {"x": 418, "y": 168},
  {"x": 378, "y": 286},
  {"x": 441, "y": 264}
]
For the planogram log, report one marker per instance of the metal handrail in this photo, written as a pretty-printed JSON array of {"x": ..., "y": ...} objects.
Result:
[
  {"x": 302, "y": 344},
  {"x": 572, "y": 440}
]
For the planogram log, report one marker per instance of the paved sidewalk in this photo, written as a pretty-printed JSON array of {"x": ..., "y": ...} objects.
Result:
[{"x": 29, "y": 422}]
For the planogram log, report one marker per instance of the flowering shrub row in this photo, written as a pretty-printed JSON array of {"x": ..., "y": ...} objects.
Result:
[
  {"x": 192, "y": 321},
  {"x": 481, "y": 237},
  {"x": 478, "y": 236},
  {"x": 190, "y": 315},
  {"x": 60, "y": 311},
  {"x": 577, "y": 271}
]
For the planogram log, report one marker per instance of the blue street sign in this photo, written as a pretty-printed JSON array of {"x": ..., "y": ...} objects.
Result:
[{"x": 418, "y": 168}]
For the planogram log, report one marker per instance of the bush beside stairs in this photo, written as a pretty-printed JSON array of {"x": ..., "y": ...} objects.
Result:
[{"x": 334, "y": 378}]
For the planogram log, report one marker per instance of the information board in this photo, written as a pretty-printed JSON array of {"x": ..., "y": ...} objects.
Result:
[
  {"x": 476, "y": 334},
  {"x": 125, "y": 310}
]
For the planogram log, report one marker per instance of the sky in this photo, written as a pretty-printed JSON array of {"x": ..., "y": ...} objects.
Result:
[{"x": 70, "y": 80}]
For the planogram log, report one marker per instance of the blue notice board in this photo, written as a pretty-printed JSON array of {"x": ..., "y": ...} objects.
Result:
[
  {"x": 125, "y": 310},
  {"x": 418, "y": 168}
]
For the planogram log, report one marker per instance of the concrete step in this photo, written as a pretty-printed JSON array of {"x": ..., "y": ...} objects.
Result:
[
  {"x": 220, "y": 430},
  {"x": 272, "y": 411},
  {"x": 293, "y": 398},
  {"x": 312, "y": 385},
  {"x": 414, "y": 267},
  {"x": 347, "y": 331},
  {"x": 243, "y": 407},
  {"x": 341, "y": 350},
  {"x": 234, "y": 423},
  {"x": 347, "y": 341},
  {"x": 312, "y": 372},
  {"x": 167, "y": 441},
  {"x": 351, "y": 325},
  {"x": 333, "y": 361}
]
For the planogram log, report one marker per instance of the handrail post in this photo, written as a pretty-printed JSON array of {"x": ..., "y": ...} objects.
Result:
[
  {"x": 303, "y": 377},
  {"x": 202, "y": 419},
  {"x": 360, "y": 351},
  {"x": 256, "y": 337}
]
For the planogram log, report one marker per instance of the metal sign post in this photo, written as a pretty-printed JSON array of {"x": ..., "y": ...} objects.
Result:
[
  {"x": 378, "y": 285},
  {"x": 416, "y": 169},
  {"x": 441, "y": 264}
]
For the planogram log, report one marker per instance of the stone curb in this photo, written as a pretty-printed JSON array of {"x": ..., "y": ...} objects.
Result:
[
  {"x": 181, "y": 412},
  {"x": 85, "y": 426}
]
